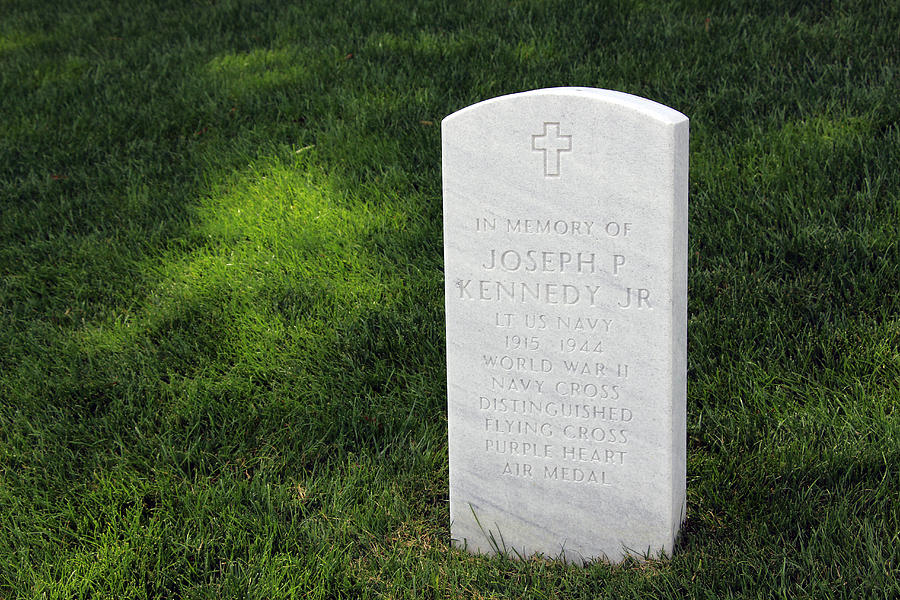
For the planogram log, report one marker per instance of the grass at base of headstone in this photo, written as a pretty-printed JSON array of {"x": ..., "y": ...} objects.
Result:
[{"x": 221, "y": 314}]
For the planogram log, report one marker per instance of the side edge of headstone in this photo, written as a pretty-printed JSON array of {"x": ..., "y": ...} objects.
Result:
[{"x": 681, "y": 133}]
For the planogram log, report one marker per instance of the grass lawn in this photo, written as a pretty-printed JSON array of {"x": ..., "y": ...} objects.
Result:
[{"x": 221, "y": 292}]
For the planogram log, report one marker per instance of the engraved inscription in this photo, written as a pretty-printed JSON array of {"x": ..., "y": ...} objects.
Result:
[
  {"x": 575, "y": 474},
  {"x": 552, "y": 144},
  {"x": 638, "y": 298},
  {"x": 542, "y": 261},
  {"x": 548, "y": 398}
]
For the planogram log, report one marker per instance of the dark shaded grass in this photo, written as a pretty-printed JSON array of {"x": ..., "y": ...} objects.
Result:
[{"x": 220, "y": 293}]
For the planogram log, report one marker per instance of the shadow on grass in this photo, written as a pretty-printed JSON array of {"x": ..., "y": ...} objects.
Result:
[{"x": 793, "y": 519}]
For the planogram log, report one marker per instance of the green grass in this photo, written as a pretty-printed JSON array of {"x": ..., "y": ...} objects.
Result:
[{"x": 221, "y": 294}]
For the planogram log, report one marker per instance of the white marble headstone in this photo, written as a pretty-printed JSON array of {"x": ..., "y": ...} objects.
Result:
[{"x": 565, "y": 246}]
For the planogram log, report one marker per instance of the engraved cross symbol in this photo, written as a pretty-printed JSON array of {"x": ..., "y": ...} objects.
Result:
[{"x": 552, "y": 145}]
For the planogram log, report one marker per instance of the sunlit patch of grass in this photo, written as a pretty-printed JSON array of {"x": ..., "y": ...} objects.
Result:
[
  {"x": 14, "y": 41},
  {"x": 242, "y": 75}
]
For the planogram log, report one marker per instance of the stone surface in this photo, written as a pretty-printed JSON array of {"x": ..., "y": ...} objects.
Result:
[{"x": 565, "y": 246}]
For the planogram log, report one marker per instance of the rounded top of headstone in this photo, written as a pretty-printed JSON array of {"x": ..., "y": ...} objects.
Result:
[{"x": 649, "y": 108}]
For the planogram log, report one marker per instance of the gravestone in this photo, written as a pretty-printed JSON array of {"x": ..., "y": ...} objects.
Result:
[{"x": 565, "y": 247}]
